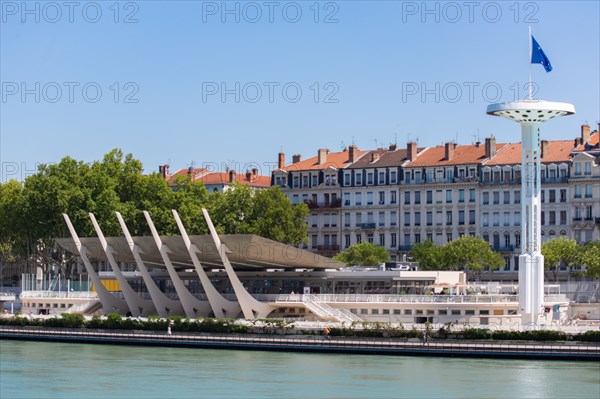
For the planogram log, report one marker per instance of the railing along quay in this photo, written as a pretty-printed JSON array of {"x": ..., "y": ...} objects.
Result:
[{"x": 387, "y": 346}]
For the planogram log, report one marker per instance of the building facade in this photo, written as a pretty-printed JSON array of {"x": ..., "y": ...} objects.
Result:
[{"x": 397, "y": 197}]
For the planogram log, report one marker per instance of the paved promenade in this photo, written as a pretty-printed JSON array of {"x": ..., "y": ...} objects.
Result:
[{"x": 387, "y": 346}]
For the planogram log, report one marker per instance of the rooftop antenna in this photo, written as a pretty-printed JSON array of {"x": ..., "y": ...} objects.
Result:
[
  {"x": 396, "y": 138},
  {"x": 342, "y": 145},
  {"x": 353, "y": 143},
  {"x": 376, "y": 145},
  {"x": 478, "y": 139},
  {"x": 456, "y": 139}
]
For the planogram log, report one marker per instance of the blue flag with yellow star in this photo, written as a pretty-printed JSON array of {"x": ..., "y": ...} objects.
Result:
[{"x": 538, "y": 56}]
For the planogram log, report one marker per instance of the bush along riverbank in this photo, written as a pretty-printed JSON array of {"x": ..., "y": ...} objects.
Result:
[{"x": 283, "y": 327}]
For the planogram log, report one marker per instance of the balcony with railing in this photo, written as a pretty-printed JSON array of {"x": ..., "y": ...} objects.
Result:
[
  {"x": 366, "y": 225},
  {"x": 336, "y": 203},
  {"x": 329, "y": 247}
]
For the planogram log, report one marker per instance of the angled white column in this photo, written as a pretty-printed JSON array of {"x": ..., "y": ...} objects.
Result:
[
  {"x": 164, "y": 305},
  {"x": 221, "y": 306},
  {"x": 110, "y": 304},
  {"x": 137, "y": 306},
  {"x": 251, "y": 308},
  {"x": 192, "y": 306}
]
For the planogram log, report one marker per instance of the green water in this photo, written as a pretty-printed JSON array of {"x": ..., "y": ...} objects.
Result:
[{"x": 58, "y": 370}]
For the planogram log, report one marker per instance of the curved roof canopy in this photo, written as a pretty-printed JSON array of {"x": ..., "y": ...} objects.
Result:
[{"x": 245, "y": 252}]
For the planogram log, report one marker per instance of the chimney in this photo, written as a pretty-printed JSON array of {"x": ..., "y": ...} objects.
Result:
[
  {"x": 231, "y": 176},
  {"x": 296, "y": 158},
  {"x": 248, "y": 175},
  {"x": 411, "y": 152},
  {"x": 190, "y": 170},
  {"x": 393, "y": 147},
  {"x": 544, "y": 148},
  {"x": 163, "y": 170},
  {"x": 281, "y": 161},
  {"x": 374, "y": 156},
  {"x": 254, "y": 172},
  {"x": 353, "y": 152},
  {"x": 322, "y": 156},
  {"x": 490, "y": 147},
  {"x": 449, "y": 151},
  {"x": 585, "y": 132}
]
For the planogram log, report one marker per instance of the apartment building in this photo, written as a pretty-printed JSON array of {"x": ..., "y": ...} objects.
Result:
[{"x": 399, "y": 197}]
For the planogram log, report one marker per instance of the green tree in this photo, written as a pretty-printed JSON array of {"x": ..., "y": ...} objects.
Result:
[
  {"x": 472, "y": 255},
  {"x": 364, "y": 253},
  {"x": 560, "y": 250},
  {"x": 590, "y": 257},
  {"x": 428, "y": 255}
]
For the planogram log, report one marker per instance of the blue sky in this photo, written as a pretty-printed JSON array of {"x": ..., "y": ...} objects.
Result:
[{"x": 234, "y": 83}]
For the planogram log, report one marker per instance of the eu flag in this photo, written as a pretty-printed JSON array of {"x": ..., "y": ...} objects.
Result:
[{"x": 538, "y": 56}]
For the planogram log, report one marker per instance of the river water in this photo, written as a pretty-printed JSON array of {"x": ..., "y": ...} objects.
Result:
[{"x": 62, "y": 370}]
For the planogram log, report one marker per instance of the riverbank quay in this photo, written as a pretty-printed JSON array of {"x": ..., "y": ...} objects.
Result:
[{"x": 572, "y": 351}]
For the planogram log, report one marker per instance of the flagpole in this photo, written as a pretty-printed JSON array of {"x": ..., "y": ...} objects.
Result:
[{"x": 529, "y": 62}]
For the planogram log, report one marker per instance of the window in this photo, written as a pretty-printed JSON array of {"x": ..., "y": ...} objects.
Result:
[
  {"x": 347, "y": 179},
  {"x": 393, "y": 218},
  {"x": 407, "y": 198},
  {"x": 296, "y": 181},
  {"x": 393, "y": 177},
  {"x": 588, "y": 191},
  {"x": 448, "y": 196},
  {"x": 429, "y": 196},
  {"x": 417, "y": 197},
  {"x": 577, "y": 168},
  {"x": 357, "y": 199},
  {"x": 448, "y": 218},
  {"x": 369, "y": 178},
  {"x": 517, "y": 242},
  {"x": 417, "y": 238},
  {"x": 393, "y": 197},
  {"x": 358, "y": 178},
  {"x": 461, "y": 217},
  {"x": 449, "y": 237},
  {"x": 382, "y": 239},
  {"x": 588, "y": 168},
  {"x": 496, "y": 219},
  {"x": 358, "y": 219},
  {"x": 506, "y": 218},
  {"x": 429, "y": 218},
  {"x": 370, "y": 238},
  {"x": 471, "y": 195},
  {"x": 461, "y": 195},
  {"x": 382, "y": 198},
  {"x": 472, "y": 216},
  {"x": 552, "y": 196},
  {"x": 485, "y": 219},
  {"x": 438, "y": 218},
  {"x": 381, "y": 218},
  {"x": 563, "y": 195},
  {"x": 506, "y": 195},
  {"x": 370, "y": 198},
  {"x": 417, "y": 218},
  {"x": 358, "y": 238},
  {"x": 518, "y": 218},
  {"x": 517, "y": 196},
  {"x": 485, "y": 198},
  {"x": 563, "y": 217},
  {"x": 407, "y": 218},
  {"x": 577, "y": 191},
  {"x": 313, "y": 241},
  {"x": 496, "y": 197},
  {"x": 381, "y": 179},
  {"x": 543, "y": 196},
  {"x": 347, "y": 219},
  {"x": 346, "y": 199},
  {"x": 438, "y": 196},
  {"x": 393, "y": 240},
  {"x": 347, "y": 240},
  {"x": 552, "y": 218}
]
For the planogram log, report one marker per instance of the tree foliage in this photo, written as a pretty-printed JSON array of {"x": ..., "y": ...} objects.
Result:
[
  {"x": 560, "y": 250},
  {"x": 364, "y": 253},
  {"x": 470, "y": 254},
  {"x": 590, "y": 257}
]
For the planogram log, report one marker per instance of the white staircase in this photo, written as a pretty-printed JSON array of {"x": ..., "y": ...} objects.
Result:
[{"x": 326, "y": 312}]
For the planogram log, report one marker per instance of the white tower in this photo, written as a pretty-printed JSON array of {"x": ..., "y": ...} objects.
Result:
[{"x": 530, "y": 114}]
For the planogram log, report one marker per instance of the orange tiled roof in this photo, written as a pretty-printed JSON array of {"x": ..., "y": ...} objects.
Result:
[
  {"x": 558, "y": 151},
  {"x": 337, "y": 160},
  {"x": 241, "y": 178},
  {"x": 593, "y": 141},
  {"x": 195, "y": 172},
  {"x": 463, "y": 155}
]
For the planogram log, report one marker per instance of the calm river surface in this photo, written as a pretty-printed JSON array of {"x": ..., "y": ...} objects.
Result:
[{"x": 58, "y": 370}]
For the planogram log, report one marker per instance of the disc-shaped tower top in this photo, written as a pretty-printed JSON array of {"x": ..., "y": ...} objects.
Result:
[{"x": 530, "y": 111}]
